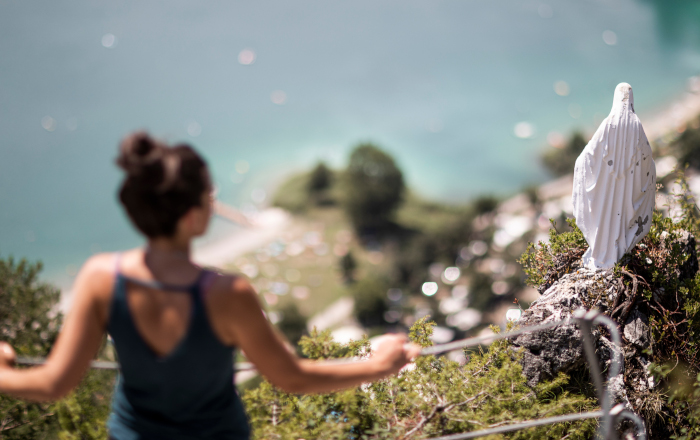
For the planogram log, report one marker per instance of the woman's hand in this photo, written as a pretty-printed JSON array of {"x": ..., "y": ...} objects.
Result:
[
  {"x": 7, "y": 356},
  {"x": 393, "y": 353}
]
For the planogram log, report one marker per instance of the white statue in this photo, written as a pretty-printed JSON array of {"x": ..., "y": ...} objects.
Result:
[{"x": 615, "y": 185}]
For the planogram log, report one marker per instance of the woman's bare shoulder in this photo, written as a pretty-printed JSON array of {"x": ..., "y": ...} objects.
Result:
[
  {"x": 226, "y": 287},
  {"x": 99, "y": 269},
  {"x": 232, "y": 295},
  {"x": 94, "y": 284},
  {"x": 231, "y": 302}
]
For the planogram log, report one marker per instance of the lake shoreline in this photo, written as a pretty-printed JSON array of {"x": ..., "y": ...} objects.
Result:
[{"x": 270, "y": 223}]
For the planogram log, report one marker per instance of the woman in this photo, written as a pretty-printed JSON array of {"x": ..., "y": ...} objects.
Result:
[{"x": 175, "y": 325}]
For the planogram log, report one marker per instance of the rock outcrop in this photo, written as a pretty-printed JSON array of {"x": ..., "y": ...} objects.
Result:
[{"x": 548, "y": 352}]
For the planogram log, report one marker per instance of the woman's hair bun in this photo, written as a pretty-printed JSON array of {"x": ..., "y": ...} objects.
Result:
[
  {"x": 161, "y": 184},
  {"x": 139, "y": 152}
]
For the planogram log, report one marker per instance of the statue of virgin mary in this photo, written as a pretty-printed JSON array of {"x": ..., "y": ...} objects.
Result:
[{"x": 615, "y": 185}]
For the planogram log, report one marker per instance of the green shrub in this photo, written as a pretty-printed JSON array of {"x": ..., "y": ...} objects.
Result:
[
  {"x": 320, "y": 178},
  {"x": 83, "y": 413},
  {"x": 545, "y": 263},
  {"x": 348, "y": 266},
  {"x": 562, "y": 161},
  {"x": 293, "y": 323},
  {"x": 29, "y": 322},
  {"x": 687, "y": 147},
  {"x": 293, "y": 194},
  {"x": 370, "y": 300},
  {"x": 374, "y": 188},
  {"x": 437, "y": 397},
  {"x": 485, "y": 204}
]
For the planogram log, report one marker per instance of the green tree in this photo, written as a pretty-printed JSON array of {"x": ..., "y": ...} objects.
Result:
[
  {"x": 320, "y": 178},
  {"x": 370, "y": 300},
  {"x": 687, "y": 147},
  {"x": 319, "y": 185},
  {"x": 562, "y": 161},
  {"x": 374, "y": 188},
  {"x": 29, "y": 321},
  {"x": 348, "y": 265},
  {"x": 481, "y": 296},
  {"x": 411, "y": 263},
  {"x": 293, "y": 323},
  {"x": 485, "y": 204}
]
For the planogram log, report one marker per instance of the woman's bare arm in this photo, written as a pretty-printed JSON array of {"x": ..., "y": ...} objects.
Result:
[
  {"x": 76, "y": 345},
  {"x": 248, "y": 328}
]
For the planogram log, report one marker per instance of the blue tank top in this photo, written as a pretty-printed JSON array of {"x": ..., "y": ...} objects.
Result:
[{"x": 187, "y": 394}]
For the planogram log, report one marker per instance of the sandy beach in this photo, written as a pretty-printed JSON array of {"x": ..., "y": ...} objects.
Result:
[
  {"x": 261, "y": 228},
  {"x": 676, "y": 116}
]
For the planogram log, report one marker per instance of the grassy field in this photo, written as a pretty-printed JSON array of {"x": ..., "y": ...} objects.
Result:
[{"x": 303, "y": 266}]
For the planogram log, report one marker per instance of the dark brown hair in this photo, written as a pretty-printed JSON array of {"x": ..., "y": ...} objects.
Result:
[{"x": 162, "y": 183}]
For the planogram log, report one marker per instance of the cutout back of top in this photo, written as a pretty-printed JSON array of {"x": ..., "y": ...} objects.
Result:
[{"x": 161, "y": 317}]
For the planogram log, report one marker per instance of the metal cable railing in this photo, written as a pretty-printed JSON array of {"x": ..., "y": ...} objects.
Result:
[
  {"x": 610, "y": 416},
  {"x": 586, "y": 320}
]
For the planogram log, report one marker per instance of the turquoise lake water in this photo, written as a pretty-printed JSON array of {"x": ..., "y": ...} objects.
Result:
[{"x": 439, "y": 84}]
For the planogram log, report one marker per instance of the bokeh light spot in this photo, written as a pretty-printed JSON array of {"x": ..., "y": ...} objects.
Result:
[
  {"x": 194, "y": 129},
  {"x": 394, "y": 294},
  {"x": 430, "y": 288},
  {"x": 109, "y": 41},
  {"x": 610, "y": 38},
  {"x": 513, "y": 315},
  {"x": 556, "y": 139},
  {"x": 561, "y": 88},
  {"x": 524, "y": 130},
  {"x": 292, "y": 275},
  {"x": 451, "y": 275},
  {"x": 478, "y": 247},
  {"x": 242, "y": 167},
  {"x": 278, "y": 97},
  {"x": 500, "y": 287},
  {"x": 48, "y": 123},
  {"x": 246, "y": 57},
  {"x": 301, "y": 292}
]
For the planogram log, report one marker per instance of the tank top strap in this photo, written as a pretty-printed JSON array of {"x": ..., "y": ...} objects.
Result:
[
  {"x": 119, "y": 290},
  {"x": 159, "y": 285},
  {"x": 117, "y": 262},
  {"x": 206, "y": 281}
]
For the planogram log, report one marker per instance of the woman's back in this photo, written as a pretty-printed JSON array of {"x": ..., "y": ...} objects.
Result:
[{"x": 176, "y": 378}]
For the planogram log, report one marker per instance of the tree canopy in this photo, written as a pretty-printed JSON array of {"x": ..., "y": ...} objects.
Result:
[
  {"x": 561, "y": 161},
  {"x": 374, "y": 188},
  {"x": 30, "y": 322}
]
